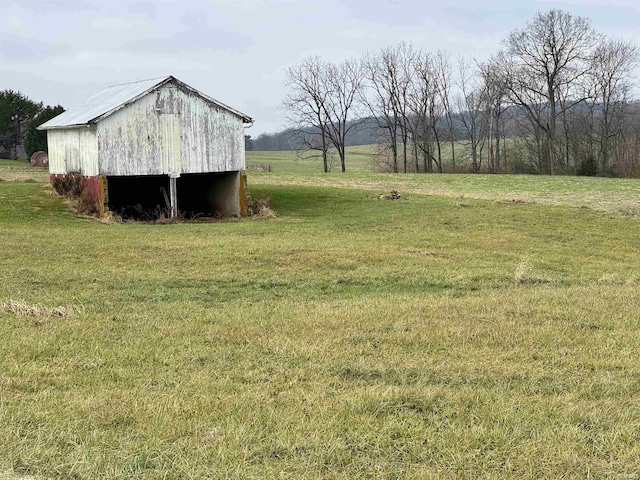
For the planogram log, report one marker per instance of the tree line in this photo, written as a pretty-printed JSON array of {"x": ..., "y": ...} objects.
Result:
[
  {"x": 19, "y": 119},
  {"x": 557, "y": 98}
]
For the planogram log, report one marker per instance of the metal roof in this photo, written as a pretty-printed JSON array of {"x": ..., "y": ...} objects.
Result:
[{"x": 116, "y": 97}]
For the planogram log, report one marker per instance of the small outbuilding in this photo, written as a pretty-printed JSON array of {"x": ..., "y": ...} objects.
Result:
[{"x": 153, "y": 143}]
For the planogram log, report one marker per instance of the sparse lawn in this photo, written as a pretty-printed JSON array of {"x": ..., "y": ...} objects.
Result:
[{"x": 352, "y": 337}]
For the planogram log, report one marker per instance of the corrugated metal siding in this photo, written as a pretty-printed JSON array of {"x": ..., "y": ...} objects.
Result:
[
  {"x": 170, "y": 131},
  {"x": 73, "y": 150}
]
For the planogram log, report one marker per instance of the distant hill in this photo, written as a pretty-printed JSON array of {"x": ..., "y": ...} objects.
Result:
[{"x": 364, "y": 132}]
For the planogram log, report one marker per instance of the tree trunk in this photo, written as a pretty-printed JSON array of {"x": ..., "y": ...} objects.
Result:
[
  {"x": 453, "y": 153},
  {"x": 324, "y": 152},
  {"x": 404, "y": 152},
  {"x": 498, "y": 146},
  {"x": 425, "y": 157},
  {"x": 551, "y": 131}
]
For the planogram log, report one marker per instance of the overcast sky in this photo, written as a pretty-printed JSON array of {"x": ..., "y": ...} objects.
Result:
[{"x": 63, "y": 51}]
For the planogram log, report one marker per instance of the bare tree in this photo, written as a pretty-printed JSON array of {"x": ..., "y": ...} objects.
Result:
[
  {"x": 425, "y": 112},
  {"x": 389, "y": 76},
  {"x": 443, "y": 71},
  {"x": 320, "y": 105},
  {"x": 470, "y": 104},
  {"x": 612, "y": 66},
  {"x": 494, "y": 95},
  {"x": 551, "y": 53},
  {"x": 344, "y": 83},
  {"x": 305, "y": 105}
]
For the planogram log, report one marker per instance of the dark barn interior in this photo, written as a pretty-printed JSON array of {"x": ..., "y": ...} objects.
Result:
[
  {"x": 199, "y": 195},
  {"x": 208, "y": 194}
]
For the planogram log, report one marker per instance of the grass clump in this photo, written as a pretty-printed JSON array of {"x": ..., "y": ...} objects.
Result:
[
  {"x": 260, "y": 208},
  {"x": 21, "y": 308},
  {"x": 522, "y": 274}
]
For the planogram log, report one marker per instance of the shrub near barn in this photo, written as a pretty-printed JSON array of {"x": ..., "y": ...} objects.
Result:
[{"x": 84, "y": 193}]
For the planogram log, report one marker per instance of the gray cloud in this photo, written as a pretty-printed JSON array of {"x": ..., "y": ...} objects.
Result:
[
  {"x": 58, "y": 6},
  {"x": 18, "y": 49},
  {"x": 392, "y": 12},
  {"x": 193, "y": 40},
  {"x": 142, "y": 8},
  {"x": 77, "y": 47}
]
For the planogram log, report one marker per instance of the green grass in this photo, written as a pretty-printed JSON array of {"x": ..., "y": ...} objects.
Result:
[
  {"x": 605, "y": 194},
  {"x": 352, "y": 337},
  {"x": 360, "y": 159}
]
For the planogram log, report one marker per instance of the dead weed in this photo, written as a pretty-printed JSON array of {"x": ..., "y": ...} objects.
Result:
[{"x": 21, "y": 308}]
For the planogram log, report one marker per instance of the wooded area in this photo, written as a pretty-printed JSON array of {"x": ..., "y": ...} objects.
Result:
[
  {"x": 557, "y": 99},
  {"x": 19, "y": 119}
]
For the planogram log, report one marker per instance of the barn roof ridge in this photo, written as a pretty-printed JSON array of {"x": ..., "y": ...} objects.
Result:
[
  {"x": 116, "y": 97},
  {"x": 158, "y": 79}
]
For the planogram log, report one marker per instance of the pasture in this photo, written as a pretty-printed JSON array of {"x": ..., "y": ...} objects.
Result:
[{"x": 481, "y": 327}]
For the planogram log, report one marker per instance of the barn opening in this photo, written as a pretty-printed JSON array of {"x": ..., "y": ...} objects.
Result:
[{"x": 148, "y": 197}]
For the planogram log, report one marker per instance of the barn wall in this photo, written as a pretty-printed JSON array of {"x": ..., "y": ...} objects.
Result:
[
  {"x": 130, "y": 141},
  {"x": 73, "y": 150},
  {"x": 213, "y": 138},
  {"x": 170, "y": 131}
]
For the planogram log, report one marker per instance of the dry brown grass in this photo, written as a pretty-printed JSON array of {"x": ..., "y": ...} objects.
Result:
[
  {"x": 21, "y": 308},
  {"x": 110, "y": 218},
  {"x": 523, "y": 273},
  {"x": 261, "y": 209},
  {"x": 13, "y": 475}
]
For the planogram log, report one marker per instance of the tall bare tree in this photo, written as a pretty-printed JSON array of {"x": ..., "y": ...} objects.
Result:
[
  {"x": 471, "y": 102},
  {"x": 305, "y": 106},
  {"x": 389, "y": 77},
  {"x": 552, "y": 52},
  {"x": 425, "y": 112},
  {"x": 341, "y": 107},
  {"x": 494, "y": 95},
  {"x": 611, "y": 72},
  {"x": 443, "y": 71}
]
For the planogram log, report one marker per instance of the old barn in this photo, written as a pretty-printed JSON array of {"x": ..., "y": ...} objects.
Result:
[{"x": 153, "y": 143}]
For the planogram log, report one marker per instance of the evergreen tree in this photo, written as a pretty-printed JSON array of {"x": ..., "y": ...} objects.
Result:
[{"x": 36, "y": 140}]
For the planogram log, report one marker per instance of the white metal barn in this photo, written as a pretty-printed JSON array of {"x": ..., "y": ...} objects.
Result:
[{"x": 147, "y": 142}]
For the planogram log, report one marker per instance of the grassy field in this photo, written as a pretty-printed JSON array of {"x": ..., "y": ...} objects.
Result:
[
  {"x": 620, "y": 195},
  {"x": 482, "y": 327}
]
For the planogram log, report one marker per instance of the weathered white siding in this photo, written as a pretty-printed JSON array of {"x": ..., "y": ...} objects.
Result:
[
  {"x": 130, "y": 142},
  {"x": 73, "y": 150},
  {"x": 212, "y": 138},
  {"x": 170, "y": 131}
]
